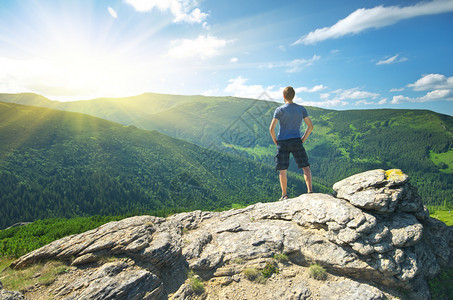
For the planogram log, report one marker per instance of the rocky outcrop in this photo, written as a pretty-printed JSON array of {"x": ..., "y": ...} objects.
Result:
[
  {"x": 374, "y": 237},
  {"x": 10, "y": 295}
]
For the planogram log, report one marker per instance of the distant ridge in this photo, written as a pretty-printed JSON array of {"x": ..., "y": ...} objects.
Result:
[{"x": 342, "y": 143}]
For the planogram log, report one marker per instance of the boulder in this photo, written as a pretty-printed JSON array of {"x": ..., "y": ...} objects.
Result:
[
  {"x": 11, "y": 295},
  {"x": 374, "y": 232},
  {"x": 379, "y": 190},
  {"x": 348, "y": 289},
  {"x": 115, "y": 280}
]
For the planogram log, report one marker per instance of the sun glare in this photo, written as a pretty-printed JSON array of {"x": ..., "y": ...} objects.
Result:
[{"x": 75, "y": 59}]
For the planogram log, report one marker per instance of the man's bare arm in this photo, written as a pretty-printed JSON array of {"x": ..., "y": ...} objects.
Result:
[
  {"x": 307, "y": 121},
  {"x": 272, "y": 130}
]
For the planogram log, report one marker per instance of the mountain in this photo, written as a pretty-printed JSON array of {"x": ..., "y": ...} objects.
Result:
[
  {"x": 61, "y": 164},
  {"x": 343, "y": 142}
]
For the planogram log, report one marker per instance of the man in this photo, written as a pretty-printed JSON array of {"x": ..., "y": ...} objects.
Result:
[{"x": 290, "y": 140}]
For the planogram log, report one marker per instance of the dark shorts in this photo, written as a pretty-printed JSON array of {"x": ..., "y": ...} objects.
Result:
[{"x": 294, "y": 146}]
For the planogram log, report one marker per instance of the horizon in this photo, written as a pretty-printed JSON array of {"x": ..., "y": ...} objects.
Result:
[
  {"x": 340, "y": 56},
  {"x": 253, "y": 99}
]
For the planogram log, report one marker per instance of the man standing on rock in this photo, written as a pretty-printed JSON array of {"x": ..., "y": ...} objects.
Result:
[{"x": 289, "y": 139}]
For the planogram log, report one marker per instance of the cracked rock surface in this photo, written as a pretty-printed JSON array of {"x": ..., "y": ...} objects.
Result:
[{"x": 374, "y": 235}]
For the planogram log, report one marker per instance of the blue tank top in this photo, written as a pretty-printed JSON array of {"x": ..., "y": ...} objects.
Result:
[{"x": 290, "y": 116}]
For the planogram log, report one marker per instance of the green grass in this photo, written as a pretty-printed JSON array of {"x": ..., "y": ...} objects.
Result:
[
  {"x": 257, "y": 151},
  {"x": 443, "y": 215},
  {"x": 317, "y": 272},
  {"x": 41, "y": 274},
  {"x": 281, "y": 257},
  {"x": 251, "y": 273},
  {"x": 4, "y": 263},
  {"x": 443, "y": 160},
  {"x": 196, "y": 284},
  {"x": 238, "y": 206},
  {"x": 18, "y": 241},
  {"x": 269, "y": 269}
]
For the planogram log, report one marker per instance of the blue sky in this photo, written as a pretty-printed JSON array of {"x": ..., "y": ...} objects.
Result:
[{"x": 336, "y": 54}]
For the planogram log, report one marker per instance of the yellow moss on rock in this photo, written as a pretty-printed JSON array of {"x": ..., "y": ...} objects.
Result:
[{"x": 394, "y": 174}]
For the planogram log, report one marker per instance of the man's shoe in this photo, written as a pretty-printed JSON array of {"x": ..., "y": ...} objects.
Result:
[{"x": 284, "y": 197}]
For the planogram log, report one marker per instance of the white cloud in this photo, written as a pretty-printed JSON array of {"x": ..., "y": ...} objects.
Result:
[
  {"x": 316, "y": 88},
  {"x": 436, "y": 95},
  {"x": 354, "y": 94},
  {"x": 326, "y": 103},
  {"x": 204, "y": 46},
  {"x": 391, "y": 60},
  {"x": 342, "y": 97},
  {"x": 376, "y": 17},
  {"x": 112, "y": 12},
  {"x": 396, "y": 90},
  {"x": 238, "y": 87},
  {"x": 295, "y": 65},
  {"x": 366, "y": 102},
  {"x": 182, "y": 10},
  {"x": 432, "y": 82},
  {"x": 234, "y": 60},
  {"x": 400, "y": 99},
  {"x": 196, "y": 16}
]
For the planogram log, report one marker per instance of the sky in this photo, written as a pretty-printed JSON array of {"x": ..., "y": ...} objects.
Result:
[{"x": 355, "y": 54}]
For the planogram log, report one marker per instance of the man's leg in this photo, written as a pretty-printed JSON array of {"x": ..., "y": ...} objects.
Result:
[
  {"x": 307, "y": 177},
  {"x": 283, "y": 181}
]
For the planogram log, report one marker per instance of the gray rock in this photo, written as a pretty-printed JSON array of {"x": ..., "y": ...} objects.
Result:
[
  {"x": 184, "y": 292},
  {"x": 379, "y": 190},
  {"x": 359, "y": 182},
  {"x": 11, "y": 295},
  {"x": 85, "y": 259},
  {"x": 115, "y": 280},
  {"x": 298, "y": 291},
  {"x": 375, "y": 229},
  {"x": 348, "y": 289}
]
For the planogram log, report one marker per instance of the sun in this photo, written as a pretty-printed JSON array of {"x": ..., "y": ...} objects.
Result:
[{"x": 70, "y": 55}]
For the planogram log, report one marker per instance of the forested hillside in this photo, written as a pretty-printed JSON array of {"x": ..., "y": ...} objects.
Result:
[
  {"x": 343, "y": 142},
  {"x": 64, "y": 164}
]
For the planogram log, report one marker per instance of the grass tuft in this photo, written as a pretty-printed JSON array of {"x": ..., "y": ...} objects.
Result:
[
  {"x": 269, "y": 269},
  {"x": 317, "y": 272},
  {"x": 195, "y": 282},
  {"x": 283, "y": 258},
  {"x": 251, "y": 273}
]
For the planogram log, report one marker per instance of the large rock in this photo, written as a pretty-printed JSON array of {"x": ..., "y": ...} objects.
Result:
[
  {"x": 348, "y": 289},
  {"x": 379, "y": 190},
  {"x": 375, "y": 229},
  {"x": 115, "y": 280},
  {"x": 10, "y": 295}
]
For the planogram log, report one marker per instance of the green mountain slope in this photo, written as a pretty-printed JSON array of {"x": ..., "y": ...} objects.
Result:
[
  {"x": 64, "y": 164},
  {"x": 342, "y": 143}
]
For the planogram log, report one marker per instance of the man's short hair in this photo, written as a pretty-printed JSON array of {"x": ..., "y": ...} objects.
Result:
[{"x": 288, "y": 93}]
